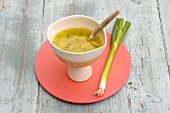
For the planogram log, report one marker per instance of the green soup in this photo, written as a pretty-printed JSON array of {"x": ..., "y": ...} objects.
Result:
[{"x": 76, "y": 40}]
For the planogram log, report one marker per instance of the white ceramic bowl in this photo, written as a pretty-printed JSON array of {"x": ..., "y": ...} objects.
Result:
[{"x": 77, "y": 62}]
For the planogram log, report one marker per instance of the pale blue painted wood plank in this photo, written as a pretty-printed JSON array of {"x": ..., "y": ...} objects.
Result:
[{"x": 20, "y": 38}]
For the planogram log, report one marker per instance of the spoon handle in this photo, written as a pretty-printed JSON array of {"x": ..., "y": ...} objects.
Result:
[{"x": 104, "y": 23}]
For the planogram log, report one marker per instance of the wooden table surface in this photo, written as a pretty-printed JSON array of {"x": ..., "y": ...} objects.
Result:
[{"x": 23, "y": 29}]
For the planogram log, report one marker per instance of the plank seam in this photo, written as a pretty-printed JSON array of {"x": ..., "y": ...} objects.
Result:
[
  {"x": 38, "y": 96},
  {"x": 22, "y": 46},
  {"x": 163, "y": 37},
  {"x": 43, "y": 9}
]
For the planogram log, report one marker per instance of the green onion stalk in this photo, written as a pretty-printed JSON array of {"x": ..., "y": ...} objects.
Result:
[{"x": 118, "y": 33}]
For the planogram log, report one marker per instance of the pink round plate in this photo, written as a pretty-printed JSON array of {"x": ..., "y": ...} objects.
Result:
[{"x": 52, "y": 75}]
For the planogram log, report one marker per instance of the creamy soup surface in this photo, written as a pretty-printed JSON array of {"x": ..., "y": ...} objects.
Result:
[{"x": 76, "y": 40}]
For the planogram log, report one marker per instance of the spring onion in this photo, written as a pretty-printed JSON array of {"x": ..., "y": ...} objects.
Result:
[{"x": 118, "y": 33}]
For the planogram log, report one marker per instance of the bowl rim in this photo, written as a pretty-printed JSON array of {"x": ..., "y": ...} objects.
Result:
[{"x": 76, "y": 53}]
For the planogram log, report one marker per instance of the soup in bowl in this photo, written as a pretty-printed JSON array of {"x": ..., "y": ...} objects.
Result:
[
  {"x": 68, "y": 38},
  {"x": 76, "y": 40}
]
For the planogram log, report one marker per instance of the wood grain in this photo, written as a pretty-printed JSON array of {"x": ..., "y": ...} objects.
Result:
[
  {"x": 23, "y": 26},
  {"x": 20, "y": 35}
]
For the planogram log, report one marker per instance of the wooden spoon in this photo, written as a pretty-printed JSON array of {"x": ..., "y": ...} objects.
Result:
[{"x": 104, "y": 23}]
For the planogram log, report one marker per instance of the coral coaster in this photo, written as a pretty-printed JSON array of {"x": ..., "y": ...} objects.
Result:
[{"x": 52, "y": 75}]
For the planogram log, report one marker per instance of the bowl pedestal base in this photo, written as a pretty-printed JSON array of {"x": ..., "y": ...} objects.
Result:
[{"x": 79, "y": 74}]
